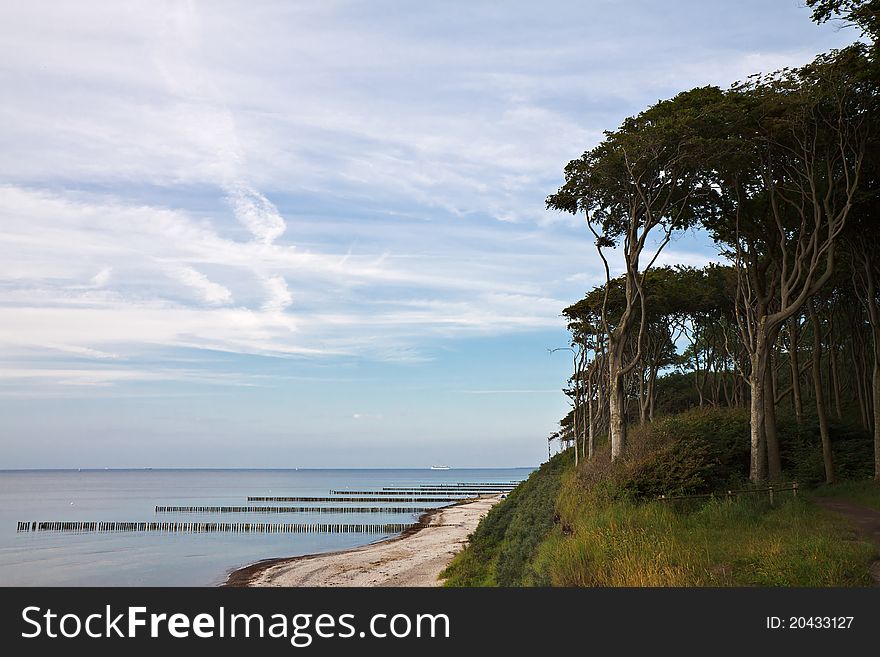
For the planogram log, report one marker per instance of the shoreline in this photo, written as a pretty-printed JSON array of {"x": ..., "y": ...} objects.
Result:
[{"x": 414, "y": 557}]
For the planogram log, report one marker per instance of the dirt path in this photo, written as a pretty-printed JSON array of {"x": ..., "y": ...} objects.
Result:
[
  {"x": 409, "y": 560},
  {"x": 865, "y": 520}
]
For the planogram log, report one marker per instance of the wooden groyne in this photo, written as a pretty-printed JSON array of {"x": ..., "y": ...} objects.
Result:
[
  {"x": 210, "y": 527},
  {"x": 405, "y": 493},
  {"x": 473, "y": 484},
  {"x": 455, "y": 489},
  {"x": 360, "y": 499},
  {"x": 293, "y": 509}
]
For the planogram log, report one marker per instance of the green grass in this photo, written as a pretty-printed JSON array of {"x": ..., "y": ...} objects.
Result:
[
  {"x": 602, "y": 525},
  {"x": 501, "y": 549},
  {"x": 866, "y": 492},
  {"x": 744, "y": 542}
]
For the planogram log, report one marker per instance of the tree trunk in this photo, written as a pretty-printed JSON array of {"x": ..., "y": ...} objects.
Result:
[
  {"x": 698, "y": 381},
  {"x": 876, "y": 395},
  {"x": 835, "y": 379},
  {"x": 576, "y": 397},
  {"x": 643, "y": 398},
  {"x": 874, "y": 319},
  {"x": 757, "y": 443},
  {"x": 819, "y": 392},
  {"x": 774, "y": 463},
  {"x": 858, "y": 363},
  {"x": 591, "y": 432},
  {"x": 616, "y": 409},
  {"x": 795, "y": 370}
]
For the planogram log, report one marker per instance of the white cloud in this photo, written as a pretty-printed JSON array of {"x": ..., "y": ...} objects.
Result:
[
  {"x": 367, "y": 416},
  {"x": 279, "y": 297},
  {"x": 256, "y": 212},
  {"x": 406, "y": 152},
  {"x": 56, "y": 379},
  {"x": 210, "y": 292},
  {"x": 102, "y": 277},
  {"x": 459, "y": 110},
  {"x": 170, "y": 280}
]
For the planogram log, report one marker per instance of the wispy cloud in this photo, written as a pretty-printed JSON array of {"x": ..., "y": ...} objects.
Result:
[
  {"x": 256, "y": 212},
  {"x": 278, "y": 295},
  {"x": 210, "y": 292},
  {"x": 166, "y": 278},
  {"x": 332, "y": 181}
]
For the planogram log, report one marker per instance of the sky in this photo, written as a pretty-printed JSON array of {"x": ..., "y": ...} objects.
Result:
[{"x": 313, "y": 234}]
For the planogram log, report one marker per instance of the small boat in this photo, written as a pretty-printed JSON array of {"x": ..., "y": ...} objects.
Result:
[{"x": 440, "y": 467}]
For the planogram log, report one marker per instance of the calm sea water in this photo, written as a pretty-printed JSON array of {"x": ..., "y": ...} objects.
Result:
[{"x": 166, "y": 559}]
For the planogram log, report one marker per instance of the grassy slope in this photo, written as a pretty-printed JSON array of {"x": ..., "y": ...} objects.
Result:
[
  {"x": 565, "y": 529},
  {"x": 739, "y": 543},
  {"x": 503, "y": 545}
]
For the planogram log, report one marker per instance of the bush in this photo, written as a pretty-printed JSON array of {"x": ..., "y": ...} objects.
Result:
[{"x": 694, "y": 452}]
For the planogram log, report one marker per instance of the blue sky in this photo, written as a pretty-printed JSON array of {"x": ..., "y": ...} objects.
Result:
[{"x": 306, "y": 234}]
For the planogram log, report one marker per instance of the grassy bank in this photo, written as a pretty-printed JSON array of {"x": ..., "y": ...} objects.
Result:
[
  {"x": 602, "y": 525},
  {"x": 502, "y": 548},
  {"x": 739, "y": 543}
]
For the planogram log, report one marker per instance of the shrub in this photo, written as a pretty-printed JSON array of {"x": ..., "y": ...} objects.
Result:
[{"x": 697, "y": 451}]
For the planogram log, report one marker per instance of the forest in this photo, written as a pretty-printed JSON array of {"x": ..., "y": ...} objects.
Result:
[{"x": 780, "y": 172}]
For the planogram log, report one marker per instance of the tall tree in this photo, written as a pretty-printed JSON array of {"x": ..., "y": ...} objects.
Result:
[
  {"x": 788, "y": 165},
  {"x": 635, "y": 188}
]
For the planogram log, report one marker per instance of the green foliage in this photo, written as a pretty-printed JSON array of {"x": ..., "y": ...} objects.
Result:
[
  {"x": 675, "y": 393},
  {"x": 863, "y": 13},
  {"x": 697, "y": 451},
  {"x": 501, "y": 548},
  {"x": 651, "y": 159},
  {"x": 801, "y": 450}
]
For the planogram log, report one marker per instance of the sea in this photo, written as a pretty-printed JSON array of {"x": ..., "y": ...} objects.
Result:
[{"x": 157, "y": 558}]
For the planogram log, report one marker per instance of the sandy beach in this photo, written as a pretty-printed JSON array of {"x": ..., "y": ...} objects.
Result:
[{"x": 415, "y": 558}]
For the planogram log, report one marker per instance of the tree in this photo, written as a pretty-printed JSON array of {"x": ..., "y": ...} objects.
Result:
[
  {"x": 642, "y": 179},
  {"x": 864, "y": 14},
  {"x": 862, "y": 236},
  {"x": 788, "y": 166}
]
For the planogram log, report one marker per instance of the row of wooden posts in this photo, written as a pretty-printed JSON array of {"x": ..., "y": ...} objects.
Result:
[
  {"x": 204, "y": 527},
  {"x": 454, "y": 493},
  {"x": 455, "y": 487},
  {"x": 337, "y": 498},
  {"x": 396, "y": 493},
  {"x": 293, "y": 509}
]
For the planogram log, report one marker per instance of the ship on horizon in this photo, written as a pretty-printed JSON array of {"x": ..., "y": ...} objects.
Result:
[{"x": 440, "y": 467}]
